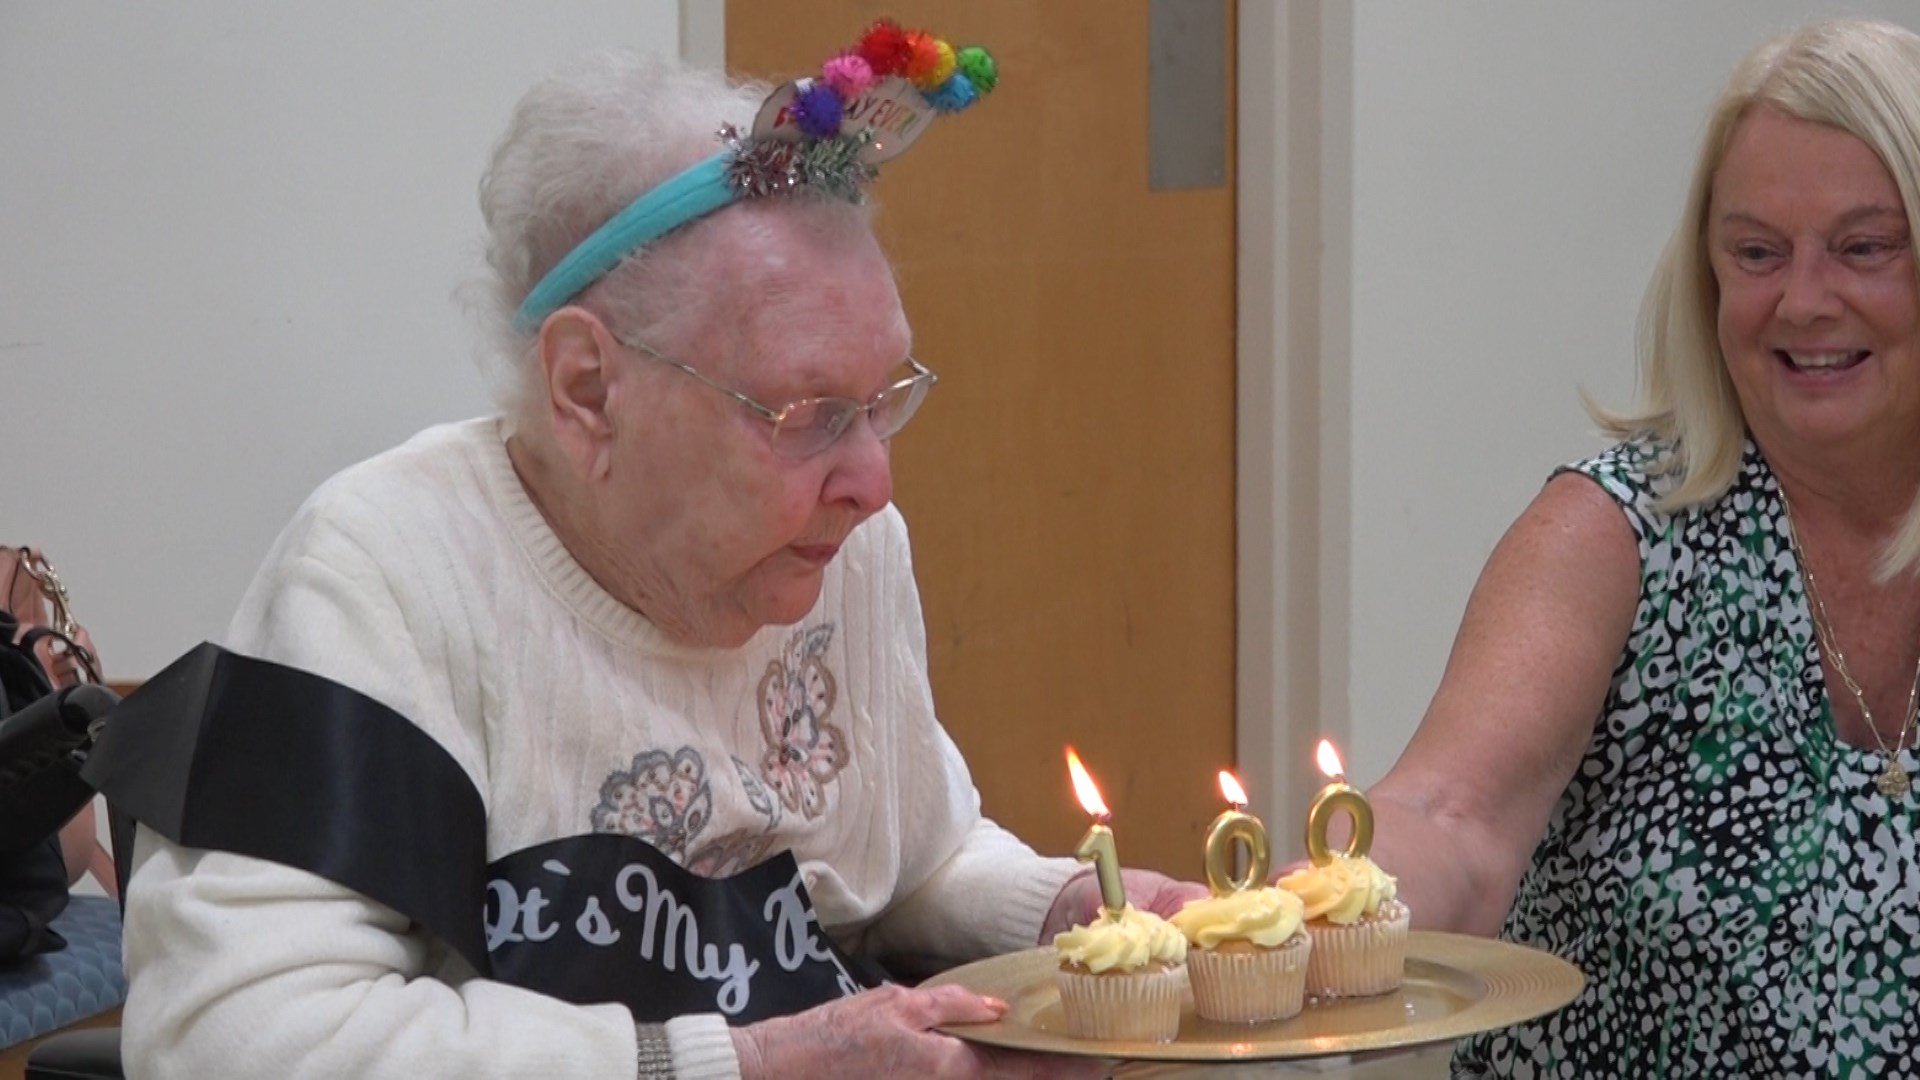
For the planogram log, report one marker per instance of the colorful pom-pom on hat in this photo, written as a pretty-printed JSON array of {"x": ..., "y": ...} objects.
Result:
[
  {"x": 955, "y": 94},
  {"x": 977, "y": 65},
  {"x": 885, "y": 48},
  {"x": 849, "y": 74},
  {"x": 942, "y": 69},
  {"x": 924, "y": 60},
  {"x": 818, "y": 110}
]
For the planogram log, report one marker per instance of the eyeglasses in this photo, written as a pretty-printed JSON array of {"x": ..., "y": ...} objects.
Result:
[{"x": 804, "y": 428}]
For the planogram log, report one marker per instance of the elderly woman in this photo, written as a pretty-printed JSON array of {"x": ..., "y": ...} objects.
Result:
[
  {"x": 640, "y": 661},
  {"x": 1672, "y": 743}
]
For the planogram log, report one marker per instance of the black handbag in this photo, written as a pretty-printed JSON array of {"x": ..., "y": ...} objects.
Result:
[
  {"x": 41, "y": 750},
  {"x": 50, "y": 710}
]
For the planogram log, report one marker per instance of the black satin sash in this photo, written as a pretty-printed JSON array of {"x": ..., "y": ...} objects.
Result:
[
  {"x": 229, "y": 753},
  {"x": 579, "y": 918}
]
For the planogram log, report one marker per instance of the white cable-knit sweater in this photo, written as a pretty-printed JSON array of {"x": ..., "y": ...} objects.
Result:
[{"x": 427, "y": 579}]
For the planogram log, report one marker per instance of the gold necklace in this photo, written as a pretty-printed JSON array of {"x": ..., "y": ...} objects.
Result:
[{"x": 1893, "y": 780}]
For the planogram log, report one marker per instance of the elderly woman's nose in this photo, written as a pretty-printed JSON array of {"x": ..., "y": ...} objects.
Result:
[
  {"x": 1809, "y": 292},
  {"x": 862, "y": 473}
]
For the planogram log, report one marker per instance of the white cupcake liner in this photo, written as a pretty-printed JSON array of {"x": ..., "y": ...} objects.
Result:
[
  {"x": 1365, "y": 958},
  {"x": 1134, "y": 1007},
  {"x": 1253, "y": 986}
]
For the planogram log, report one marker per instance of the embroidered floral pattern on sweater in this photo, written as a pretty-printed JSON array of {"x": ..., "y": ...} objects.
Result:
[
  {"x": 662, "y": 799},
  {"x": 804, "y": 751},
  {"x": 732, "y": 853},
  {"x": 741, "y": 849},
  {"x": 758, "y": 797}
]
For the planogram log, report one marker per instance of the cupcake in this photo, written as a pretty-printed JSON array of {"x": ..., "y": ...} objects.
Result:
[
  {"x": 1121, "y": 977},
  {"x": 1246, "y": 954},
  {"x": 1359, "y": 929}
]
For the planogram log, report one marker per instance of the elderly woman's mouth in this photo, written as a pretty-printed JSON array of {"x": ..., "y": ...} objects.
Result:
[
  {"x": 1810, "y": 361},
  {"x": 815, "y": 553}
]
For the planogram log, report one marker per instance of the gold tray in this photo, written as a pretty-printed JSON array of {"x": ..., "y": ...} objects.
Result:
[{"x": 1456, "y": 985}]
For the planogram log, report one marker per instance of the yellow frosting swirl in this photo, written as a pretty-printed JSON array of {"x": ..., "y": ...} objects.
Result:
[
  {"x": 1344, "y": 891},
  {"x": 1265, "y": 917},
  {"x": 1126, "y": 940}
]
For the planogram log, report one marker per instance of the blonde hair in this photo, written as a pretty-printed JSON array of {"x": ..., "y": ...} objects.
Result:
[{"x": 1859, "y": 76}]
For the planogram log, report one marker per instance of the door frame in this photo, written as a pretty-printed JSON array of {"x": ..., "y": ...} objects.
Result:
[{"x": 1293, "y": 488}]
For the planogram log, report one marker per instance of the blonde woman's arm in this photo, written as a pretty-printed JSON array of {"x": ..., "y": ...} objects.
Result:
[{"x": 1460, "y": 813}]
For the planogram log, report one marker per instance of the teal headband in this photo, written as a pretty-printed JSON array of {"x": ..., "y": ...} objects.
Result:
[
  {"x": 823, "y": 136},
  {"x": 695, "y": 193}
]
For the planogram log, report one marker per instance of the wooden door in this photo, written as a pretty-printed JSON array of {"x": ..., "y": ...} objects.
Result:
[{"x": 1069, "y": 486}]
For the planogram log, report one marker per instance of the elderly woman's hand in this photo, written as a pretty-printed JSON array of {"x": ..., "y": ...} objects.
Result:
[
  {"x": 1079, "y": 899},
  {"x": 887, "y": 1031}
]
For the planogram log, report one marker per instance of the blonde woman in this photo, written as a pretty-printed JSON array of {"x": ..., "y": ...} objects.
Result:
[{"x": 1673, "y": 743}]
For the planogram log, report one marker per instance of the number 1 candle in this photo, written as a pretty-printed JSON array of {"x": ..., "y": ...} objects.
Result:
[{"x": 1097, "y": 846}]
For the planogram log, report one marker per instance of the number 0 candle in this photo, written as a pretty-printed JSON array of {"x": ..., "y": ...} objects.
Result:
[
  {"x": 1227, "y": 834},
  {"x": 1336, "y": 797},
  {"x": 1097, "y": 846}
]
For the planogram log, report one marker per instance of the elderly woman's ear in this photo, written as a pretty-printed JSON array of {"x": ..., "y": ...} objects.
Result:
[{"x": 577, "y": 354}]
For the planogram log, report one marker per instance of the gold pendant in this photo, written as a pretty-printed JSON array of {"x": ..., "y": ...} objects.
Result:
[{"x": 1893, "y": 781}]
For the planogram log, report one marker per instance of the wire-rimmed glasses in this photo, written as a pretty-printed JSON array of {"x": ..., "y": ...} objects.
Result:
[{"x": 805, "y": 427}]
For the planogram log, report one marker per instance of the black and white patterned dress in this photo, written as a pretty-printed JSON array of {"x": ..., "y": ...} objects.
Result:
[{"x": 1743, "y": 900}]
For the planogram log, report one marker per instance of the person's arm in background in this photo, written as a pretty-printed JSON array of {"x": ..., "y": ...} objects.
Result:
[
  {"x": 81, "y": 850},
  {"x": 1459, "y": 815}
]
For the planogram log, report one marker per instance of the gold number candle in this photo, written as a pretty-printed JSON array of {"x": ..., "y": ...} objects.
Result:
[
  {"x": 1225, "y": 836},
  {"x": 1097, "y": 846},
  {"x": 1331, "y": 800}
]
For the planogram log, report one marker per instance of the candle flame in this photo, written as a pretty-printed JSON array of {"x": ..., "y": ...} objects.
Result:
[
  {"x": 1329, "y": 759},
  {"x": 1230, "y": 787},
  {"x": 1083, "y": 787}
]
